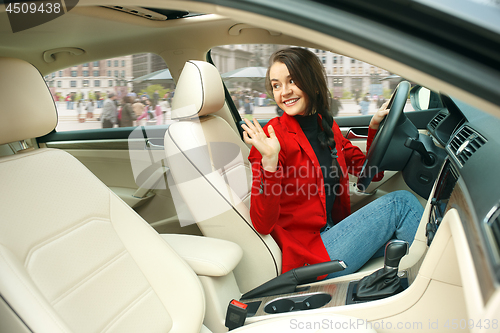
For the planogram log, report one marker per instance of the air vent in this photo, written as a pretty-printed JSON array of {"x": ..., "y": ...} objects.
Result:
[
  {"x": 142, "y": 12},
  {"x": 465, "y": 143},
  {"x": 492, "y": 228},
  {"x": 436, "y": 120}
]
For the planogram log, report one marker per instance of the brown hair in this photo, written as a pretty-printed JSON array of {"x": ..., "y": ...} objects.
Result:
[
  {"x": 309, "y": 75},
  {"x": 127, "y": 99}
]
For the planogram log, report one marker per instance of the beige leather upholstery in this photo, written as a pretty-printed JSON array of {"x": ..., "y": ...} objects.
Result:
[
  {"x": 204, "y": 97},
  {"x": 206, "y": 256},
  {"x": 22, "y": 117},
  {"x": 210, "y": 170},
  {"x": 73, "y": 256}
]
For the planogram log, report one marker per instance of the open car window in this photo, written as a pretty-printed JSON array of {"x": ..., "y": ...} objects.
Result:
[
  {"x": 357, "y": 88},
  {"x": 79, "y": 91}
]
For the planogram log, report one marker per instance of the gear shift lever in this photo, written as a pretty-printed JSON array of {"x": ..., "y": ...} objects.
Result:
[
  {"x": 385, "y": 281},
  {"x": 394, "y": 251}
]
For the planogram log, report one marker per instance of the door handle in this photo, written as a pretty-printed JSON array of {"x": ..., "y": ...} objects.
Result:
[
  {"x": 152, "y": 146},
  {"x": 353, "y": 135}
]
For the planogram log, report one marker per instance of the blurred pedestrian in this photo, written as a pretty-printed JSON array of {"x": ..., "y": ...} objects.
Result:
[
  {"x": 165, "y": 107},
  {"x": 79, "y": 110},
  {"x": 72, "y": 97},
  {"x": 98, "y": 99},
  {"x": 335, "y": 106},
  {"x": 364, "y": 105},
  {"x": 380, "y": 101},
  {"x": 148, "y": 112},
  {"x": 156, "y": 97},
  {"x": 68, "y": 102},
  {"x": 128, "y": 114},
  {"x": 158, "y": 113},
  {"x": 138, "y": 107},
  {"x": 109, "y": 112},
  {"x": 248, "y": 107},
  {"x": 90, "y": 108},
  {"x": 357, "y": 95}
]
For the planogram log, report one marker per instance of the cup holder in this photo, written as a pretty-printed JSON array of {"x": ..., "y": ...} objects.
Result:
[{"x": 297, "y": 303}]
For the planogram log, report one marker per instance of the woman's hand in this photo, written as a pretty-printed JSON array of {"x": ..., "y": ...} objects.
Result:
[
  {"x": 379, "y": 116},
  {"x": 268, "y": 147}
]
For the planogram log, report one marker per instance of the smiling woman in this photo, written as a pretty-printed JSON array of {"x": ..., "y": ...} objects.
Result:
[
  {"x": 307, "y": 138},
  {"x": 298, "y": 82},
  {"x": 288, "y": 96}
]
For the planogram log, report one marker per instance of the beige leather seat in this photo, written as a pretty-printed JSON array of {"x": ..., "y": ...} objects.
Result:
[
  {"x": 210, "y": 171},
  {"x": 73, "y": 256}
]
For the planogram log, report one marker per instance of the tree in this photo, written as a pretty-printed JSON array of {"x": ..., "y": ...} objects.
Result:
[{"x": 150, "y": 90}]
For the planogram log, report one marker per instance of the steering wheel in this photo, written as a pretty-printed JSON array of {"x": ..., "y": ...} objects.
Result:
[{"x": 382, "y": 140}]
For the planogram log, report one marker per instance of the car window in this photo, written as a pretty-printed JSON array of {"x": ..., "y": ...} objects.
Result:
[
  {"x": 81, "y": 91},
  {"x": 357, "y": 88}
]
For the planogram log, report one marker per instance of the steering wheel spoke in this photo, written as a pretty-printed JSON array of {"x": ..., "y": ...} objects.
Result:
[{"x": 387, "y": 151}]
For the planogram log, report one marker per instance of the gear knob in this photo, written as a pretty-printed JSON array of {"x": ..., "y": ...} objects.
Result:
[{"x": 394, "y": 251}]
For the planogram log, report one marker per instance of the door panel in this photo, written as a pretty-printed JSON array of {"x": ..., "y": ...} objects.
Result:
[{"x": 119, "y": 157}]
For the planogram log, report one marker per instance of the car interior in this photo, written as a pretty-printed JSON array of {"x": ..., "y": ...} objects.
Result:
[{"x": 147, "y": 228}]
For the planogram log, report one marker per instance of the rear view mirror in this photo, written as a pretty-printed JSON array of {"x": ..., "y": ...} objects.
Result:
[{"x": 422, "y": 98}]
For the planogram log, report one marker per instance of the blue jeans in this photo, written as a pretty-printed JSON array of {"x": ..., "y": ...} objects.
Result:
[{"x": 363, "y": 234}]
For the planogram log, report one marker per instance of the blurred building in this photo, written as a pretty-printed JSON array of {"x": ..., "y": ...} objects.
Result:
[
  {"x": 348, "y": 75},
  {"x": 104, "y": 76},
  {"x": 345, "y": 75},
  {"x": 145, "y": 63}
]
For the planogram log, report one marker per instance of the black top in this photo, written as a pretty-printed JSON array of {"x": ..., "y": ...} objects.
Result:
[{"x": 329, "y": 167}]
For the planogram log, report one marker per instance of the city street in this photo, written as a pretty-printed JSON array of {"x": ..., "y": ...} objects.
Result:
[{"x": 68, "y": 120}]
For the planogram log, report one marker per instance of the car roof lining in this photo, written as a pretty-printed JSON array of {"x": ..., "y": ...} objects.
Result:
[{"x": 119, "y": 31}]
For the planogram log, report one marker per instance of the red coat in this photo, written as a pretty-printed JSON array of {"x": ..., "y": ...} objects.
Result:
[{"x": 290, "y": 203}]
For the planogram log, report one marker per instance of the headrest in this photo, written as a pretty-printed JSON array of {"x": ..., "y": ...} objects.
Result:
[
  {"x": 199, "y": 91},
  {"x": 27, "y": 109}
]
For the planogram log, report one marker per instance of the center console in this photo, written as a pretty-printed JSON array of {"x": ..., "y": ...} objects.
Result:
[
  {"x": 424, "y": 270},
  {"x": 382, "y": 283}
]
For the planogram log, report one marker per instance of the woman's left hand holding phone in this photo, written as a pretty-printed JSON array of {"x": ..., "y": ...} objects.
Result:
[{"x": 268, "y": 146}]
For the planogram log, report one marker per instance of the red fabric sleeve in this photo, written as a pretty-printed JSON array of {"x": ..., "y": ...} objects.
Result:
[{"x": 266, "y": 189}]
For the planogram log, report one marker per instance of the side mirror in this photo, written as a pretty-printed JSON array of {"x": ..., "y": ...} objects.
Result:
[{"x": 422, "y": 98}]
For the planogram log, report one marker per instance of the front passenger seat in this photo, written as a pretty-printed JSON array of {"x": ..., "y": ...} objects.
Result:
[
  {"x": 73, "y": 256},
  {"x": 210, "y": 170}
]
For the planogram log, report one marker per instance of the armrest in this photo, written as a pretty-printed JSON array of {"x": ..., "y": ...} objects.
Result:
[{"x": 206, "y": 256}]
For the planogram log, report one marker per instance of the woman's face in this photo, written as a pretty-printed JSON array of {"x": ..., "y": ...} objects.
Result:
[{"x": 287, "y": 95}]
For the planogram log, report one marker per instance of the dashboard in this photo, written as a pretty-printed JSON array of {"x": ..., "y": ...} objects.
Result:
[{"x": 468, "y": 182}]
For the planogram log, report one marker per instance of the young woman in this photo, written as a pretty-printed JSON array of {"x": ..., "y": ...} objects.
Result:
[{"x": 300, "y": 187}]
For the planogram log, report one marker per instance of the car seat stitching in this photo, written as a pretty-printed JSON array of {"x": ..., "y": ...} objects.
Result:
[
  {"x": 128, "y": 308},
  {"x": 59, "y": 235},
  {"x": 89, "y": 277}
]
